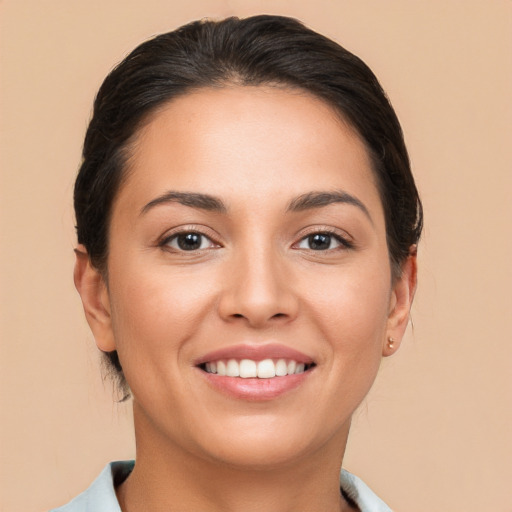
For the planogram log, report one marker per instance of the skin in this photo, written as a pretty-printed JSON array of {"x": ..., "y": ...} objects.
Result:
[{"x": 255, "y": 280}]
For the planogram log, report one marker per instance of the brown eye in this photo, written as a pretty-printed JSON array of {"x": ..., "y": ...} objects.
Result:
[
  {"x": 190, "y": 241},
  {"x": 322, "y": 242},
  {"x": 319, "y": 241}
]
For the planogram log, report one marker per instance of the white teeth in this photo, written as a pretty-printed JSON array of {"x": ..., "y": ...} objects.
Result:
[
  {"x": 266, "y": 369},
  {"x": 247, "y": 368},
  {"x": 300, "y": 368},
  {"x": 221, "y": 368},
  {"x": 281, "y": 368},
  {"x": 232, "y": 368}
]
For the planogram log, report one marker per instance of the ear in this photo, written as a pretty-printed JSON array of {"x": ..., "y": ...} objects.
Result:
[
  {"x": 94, "y": 294},
  {"x": 400, "y": 304}
]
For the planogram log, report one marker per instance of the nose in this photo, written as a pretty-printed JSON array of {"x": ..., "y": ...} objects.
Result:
[{"x": 258, "y": 290}]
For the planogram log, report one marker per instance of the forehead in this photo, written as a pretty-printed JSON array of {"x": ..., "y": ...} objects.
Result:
[{"x": 238, "y": 142}]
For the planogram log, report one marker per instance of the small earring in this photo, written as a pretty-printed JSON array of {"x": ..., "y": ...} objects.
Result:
[{"x": 391, "y": 342}]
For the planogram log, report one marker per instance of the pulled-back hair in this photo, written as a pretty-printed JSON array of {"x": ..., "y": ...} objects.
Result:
[{"x": 260, "y": 50}]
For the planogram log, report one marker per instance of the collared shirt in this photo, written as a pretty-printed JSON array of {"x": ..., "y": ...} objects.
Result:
[{"x": 101, "y": 495}]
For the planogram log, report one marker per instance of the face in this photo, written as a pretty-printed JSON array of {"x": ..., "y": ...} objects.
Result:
[{"x": 248, "y": 238}]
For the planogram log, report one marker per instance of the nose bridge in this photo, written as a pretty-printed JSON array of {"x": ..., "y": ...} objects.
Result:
[{"x": 258, "y": 287}]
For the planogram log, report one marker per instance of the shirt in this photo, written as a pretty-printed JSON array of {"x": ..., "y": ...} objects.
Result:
[{"x": 101, "y": 495}]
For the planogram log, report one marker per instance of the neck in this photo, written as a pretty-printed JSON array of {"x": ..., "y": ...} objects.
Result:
[{"x": 168, "y": 478}]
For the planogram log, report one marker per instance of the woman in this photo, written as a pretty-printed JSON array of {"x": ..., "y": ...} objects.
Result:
[{"x": 247, "y": 226}]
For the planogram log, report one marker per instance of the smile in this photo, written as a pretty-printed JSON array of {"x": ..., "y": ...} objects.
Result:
[
  {"x": 256, "y": 372},
  {"x": 249, "y": 368}
]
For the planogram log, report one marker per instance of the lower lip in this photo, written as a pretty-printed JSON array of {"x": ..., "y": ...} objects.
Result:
[{"x": 255, "y": 389}]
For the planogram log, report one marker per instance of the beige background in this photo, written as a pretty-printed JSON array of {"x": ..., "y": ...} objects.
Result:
[{"x": 435, "y": 433}]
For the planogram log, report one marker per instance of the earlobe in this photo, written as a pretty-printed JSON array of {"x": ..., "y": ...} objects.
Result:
[
  {"x": 93, "y": 291},
  {"x": 400, "y": 304}
]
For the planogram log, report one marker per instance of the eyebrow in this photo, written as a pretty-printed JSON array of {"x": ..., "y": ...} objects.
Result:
[
  {"x": 211, "y": 203},
  {"x": 321, "y": 199},
  {"x": 192, "y": 199}
]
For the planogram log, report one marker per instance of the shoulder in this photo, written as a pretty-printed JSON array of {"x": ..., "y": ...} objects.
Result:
[
  {"x": 101, "y": 495},
  {"x": 361, "y": 495}
]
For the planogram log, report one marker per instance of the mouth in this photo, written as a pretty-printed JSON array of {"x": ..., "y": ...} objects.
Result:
[
  {"x": 256, "y": 372},
  {"x": 250, "y": 368}
]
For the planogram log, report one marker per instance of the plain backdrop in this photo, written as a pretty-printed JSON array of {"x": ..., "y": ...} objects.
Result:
[{"x": 434, "y": 435}]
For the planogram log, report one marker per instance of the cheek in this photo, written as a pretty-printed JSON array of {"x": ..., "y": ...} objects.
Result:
[
  {"x": 154, "y": 313},
  {"x": 352, "y": 303},
  {"x": 350, "y": 310}
]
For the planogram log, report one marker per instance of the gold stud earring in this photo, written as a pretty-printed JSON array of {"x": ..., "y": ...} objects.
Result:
[{"x": 391, "y": 342}]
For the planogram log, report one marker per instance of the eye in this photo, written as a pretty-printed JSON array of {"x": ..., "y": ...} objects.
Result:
[
  {"x": 188, "y": 241},
  {"x": 322, "y": 242}
]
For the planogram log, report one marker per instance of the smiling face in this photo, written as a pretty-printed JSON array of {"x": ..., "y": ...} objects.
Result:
[{"x": 248, "y": 238}]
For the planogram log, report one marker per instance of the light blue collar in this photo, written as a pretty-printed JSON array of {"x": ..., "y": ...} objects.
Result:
[{"x": 101, "y": 495}]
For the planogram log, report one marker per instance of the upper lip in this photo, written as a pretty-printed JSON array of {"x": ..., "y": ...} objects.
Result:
[{"x": 256, "y": 353}]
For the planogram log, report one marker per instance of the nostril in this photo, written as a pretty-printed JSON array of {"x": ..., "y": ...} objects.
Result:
[{"x": 277, "y": 315}]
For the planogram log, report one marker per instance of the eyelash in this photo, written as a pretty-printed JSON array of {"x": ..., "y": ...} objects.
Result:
[
  {"x": 342, "y": 241},
  {"x": 165, "y": 243}
]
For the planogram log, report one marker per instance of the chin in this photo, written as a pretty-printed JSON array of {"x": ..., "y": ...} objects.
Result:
[
  {"x": 268, "y": 444},
  {"x": 260, "y": 456}
]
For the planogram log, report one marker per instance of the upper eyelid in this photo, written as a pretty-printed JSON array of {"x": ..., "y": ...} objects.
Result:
[
  {"x": 311, "y": 230},
  {"x": 176, "y": 235},
  {"x": 181, "y": 230}
]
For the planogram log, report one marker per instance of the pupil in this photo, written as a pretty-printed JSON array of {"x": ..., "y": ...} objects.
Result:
[
  {"x": 189, "y": 242},
  {"x": 320, "y": 241}
]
